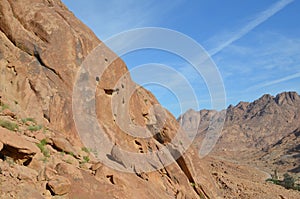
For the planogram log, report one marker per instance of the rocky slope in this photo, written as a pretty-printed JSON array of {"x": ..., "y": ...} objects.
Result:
[
  {"x": 42, "y": 156},
  {"x": 264, "y": 132},
  {"x": 41, "y": 153}
]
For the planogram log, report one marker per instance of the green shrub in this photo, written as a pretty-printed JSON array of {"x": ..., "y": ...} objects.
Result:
[
  {"x": 28, "y": 120},
  {"x": 35, "y": 128},
  {"x": 274, "y": 181},
  {"x": 85, "y": 149},
  {"x": 9, "y": 125},
  {"x": 43, "y": 149},
  {"x": 86, "y": 159},
  {"x": 288, "y": 181}
]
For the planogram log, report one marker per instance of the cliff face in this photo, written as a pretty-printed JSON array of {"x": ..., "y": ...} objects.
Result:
[{"x": 41, "y": 155}]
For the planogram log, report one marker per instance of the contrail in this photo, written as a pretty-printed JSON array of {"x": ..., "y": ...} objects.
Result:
[
  {"x": 289, "y": 77},
  {"x": 262, "y": 17}
]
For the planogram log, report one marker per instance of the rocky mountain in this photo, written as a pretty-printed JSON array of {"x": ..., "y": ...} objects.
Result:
[
  {"x": 42, "y": 49},
  {"x": 263, "y": 132}
]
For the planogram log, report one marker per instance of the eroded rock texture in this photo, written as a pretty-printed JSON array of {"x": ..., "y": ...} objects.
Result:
[{"x": 42, "y": 48}]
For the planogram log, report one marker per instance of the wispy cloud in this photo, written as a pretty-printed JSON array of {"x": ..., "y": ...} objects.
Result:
[
  {"x": 262, "y": 17},
  {"x": 130, "y": 14},
  {"x": 271, "y": 66},
  {"x": 277, "y": 81}
]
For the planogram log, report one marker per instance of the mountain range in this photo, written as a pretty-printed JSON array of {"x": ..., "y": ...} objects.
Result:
[{"x": 264, "y": 133}]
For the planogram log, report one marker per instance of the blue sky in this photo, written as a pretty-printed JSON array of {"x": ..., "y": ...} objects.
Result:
[{"x": 254, "y": 44}]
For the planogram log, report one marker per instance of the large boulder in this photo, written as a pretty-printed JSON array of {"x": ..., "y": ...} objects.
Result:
[
  {"x": 16, "y": 146},
  {"x": 64, "y": 145},
  {"x": 59, "y": 185}
]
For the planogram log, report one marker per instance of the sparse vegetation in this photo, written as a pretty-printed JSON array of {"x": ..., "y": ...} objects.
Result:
[
  {"x": 94, "y": 151},
  {"x": 71, "y": 154},
  {"x": 35, "y": 128},
  {"x": 3, "y": 106},
  {"x": 288, "y": 182},
  {"x": 85, "y": 149},
  {"x": 24, "y": 120},
  {"x": 9, "y": 125},
  {"x": 43, "y": 149},
  {"x": 44, "y": 159},
  {"x": 86, "y": 159}
]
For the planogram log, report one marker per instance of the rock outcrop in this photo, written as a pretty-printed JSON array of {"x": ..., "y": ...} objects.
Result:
[{"x": 42, "y": 48}]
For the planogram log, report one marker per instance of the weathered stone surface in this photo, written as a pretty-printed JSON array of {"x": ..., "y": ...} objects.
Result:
[
  {"x": 71, "y": 160},
  {"x": 7, "y": 112},
  {"x": 59, "y": 185},
  {"x": 68, "y": 170},
  {"x": 49, "y": 173},
  {"x": 16, "y": 146},
  {"x": 42, "y": 48},
  {"x": 96, "y": 166},
  {"x": 64, "y": 145},
  {"x": 27, "y": 174}
]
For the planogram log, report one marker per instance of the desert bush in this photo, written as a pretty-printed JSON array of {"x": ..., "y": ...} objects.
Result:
[
  {"x": 42, "y": 147},
  {"x": 29, "y": 119},
  {"x": 85, "y": 149},
  {"x": 35, "y": 128},
  {"x": 288, "y": 182},
  {"x": 9, "y": 125},
  {"x": 86, "y": 159}
]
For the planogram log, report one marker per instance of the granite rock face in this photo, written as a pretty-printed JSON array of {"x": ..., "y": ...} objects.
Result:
[{"x": 42, "y": 48}]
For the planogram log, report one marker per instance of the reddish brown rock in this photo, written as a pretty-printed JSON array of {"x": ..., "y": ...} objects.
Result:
[
  {"x": 7, "y": 112},
  {"x": 64, "y": 145},
  {"x": 68, "y": 170},
  {"x": 27, "y": 174},
  {"x": 16, "y": 147},
  {"x": 42, "y": 48},
  {"x": 59, "y": 185}
]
